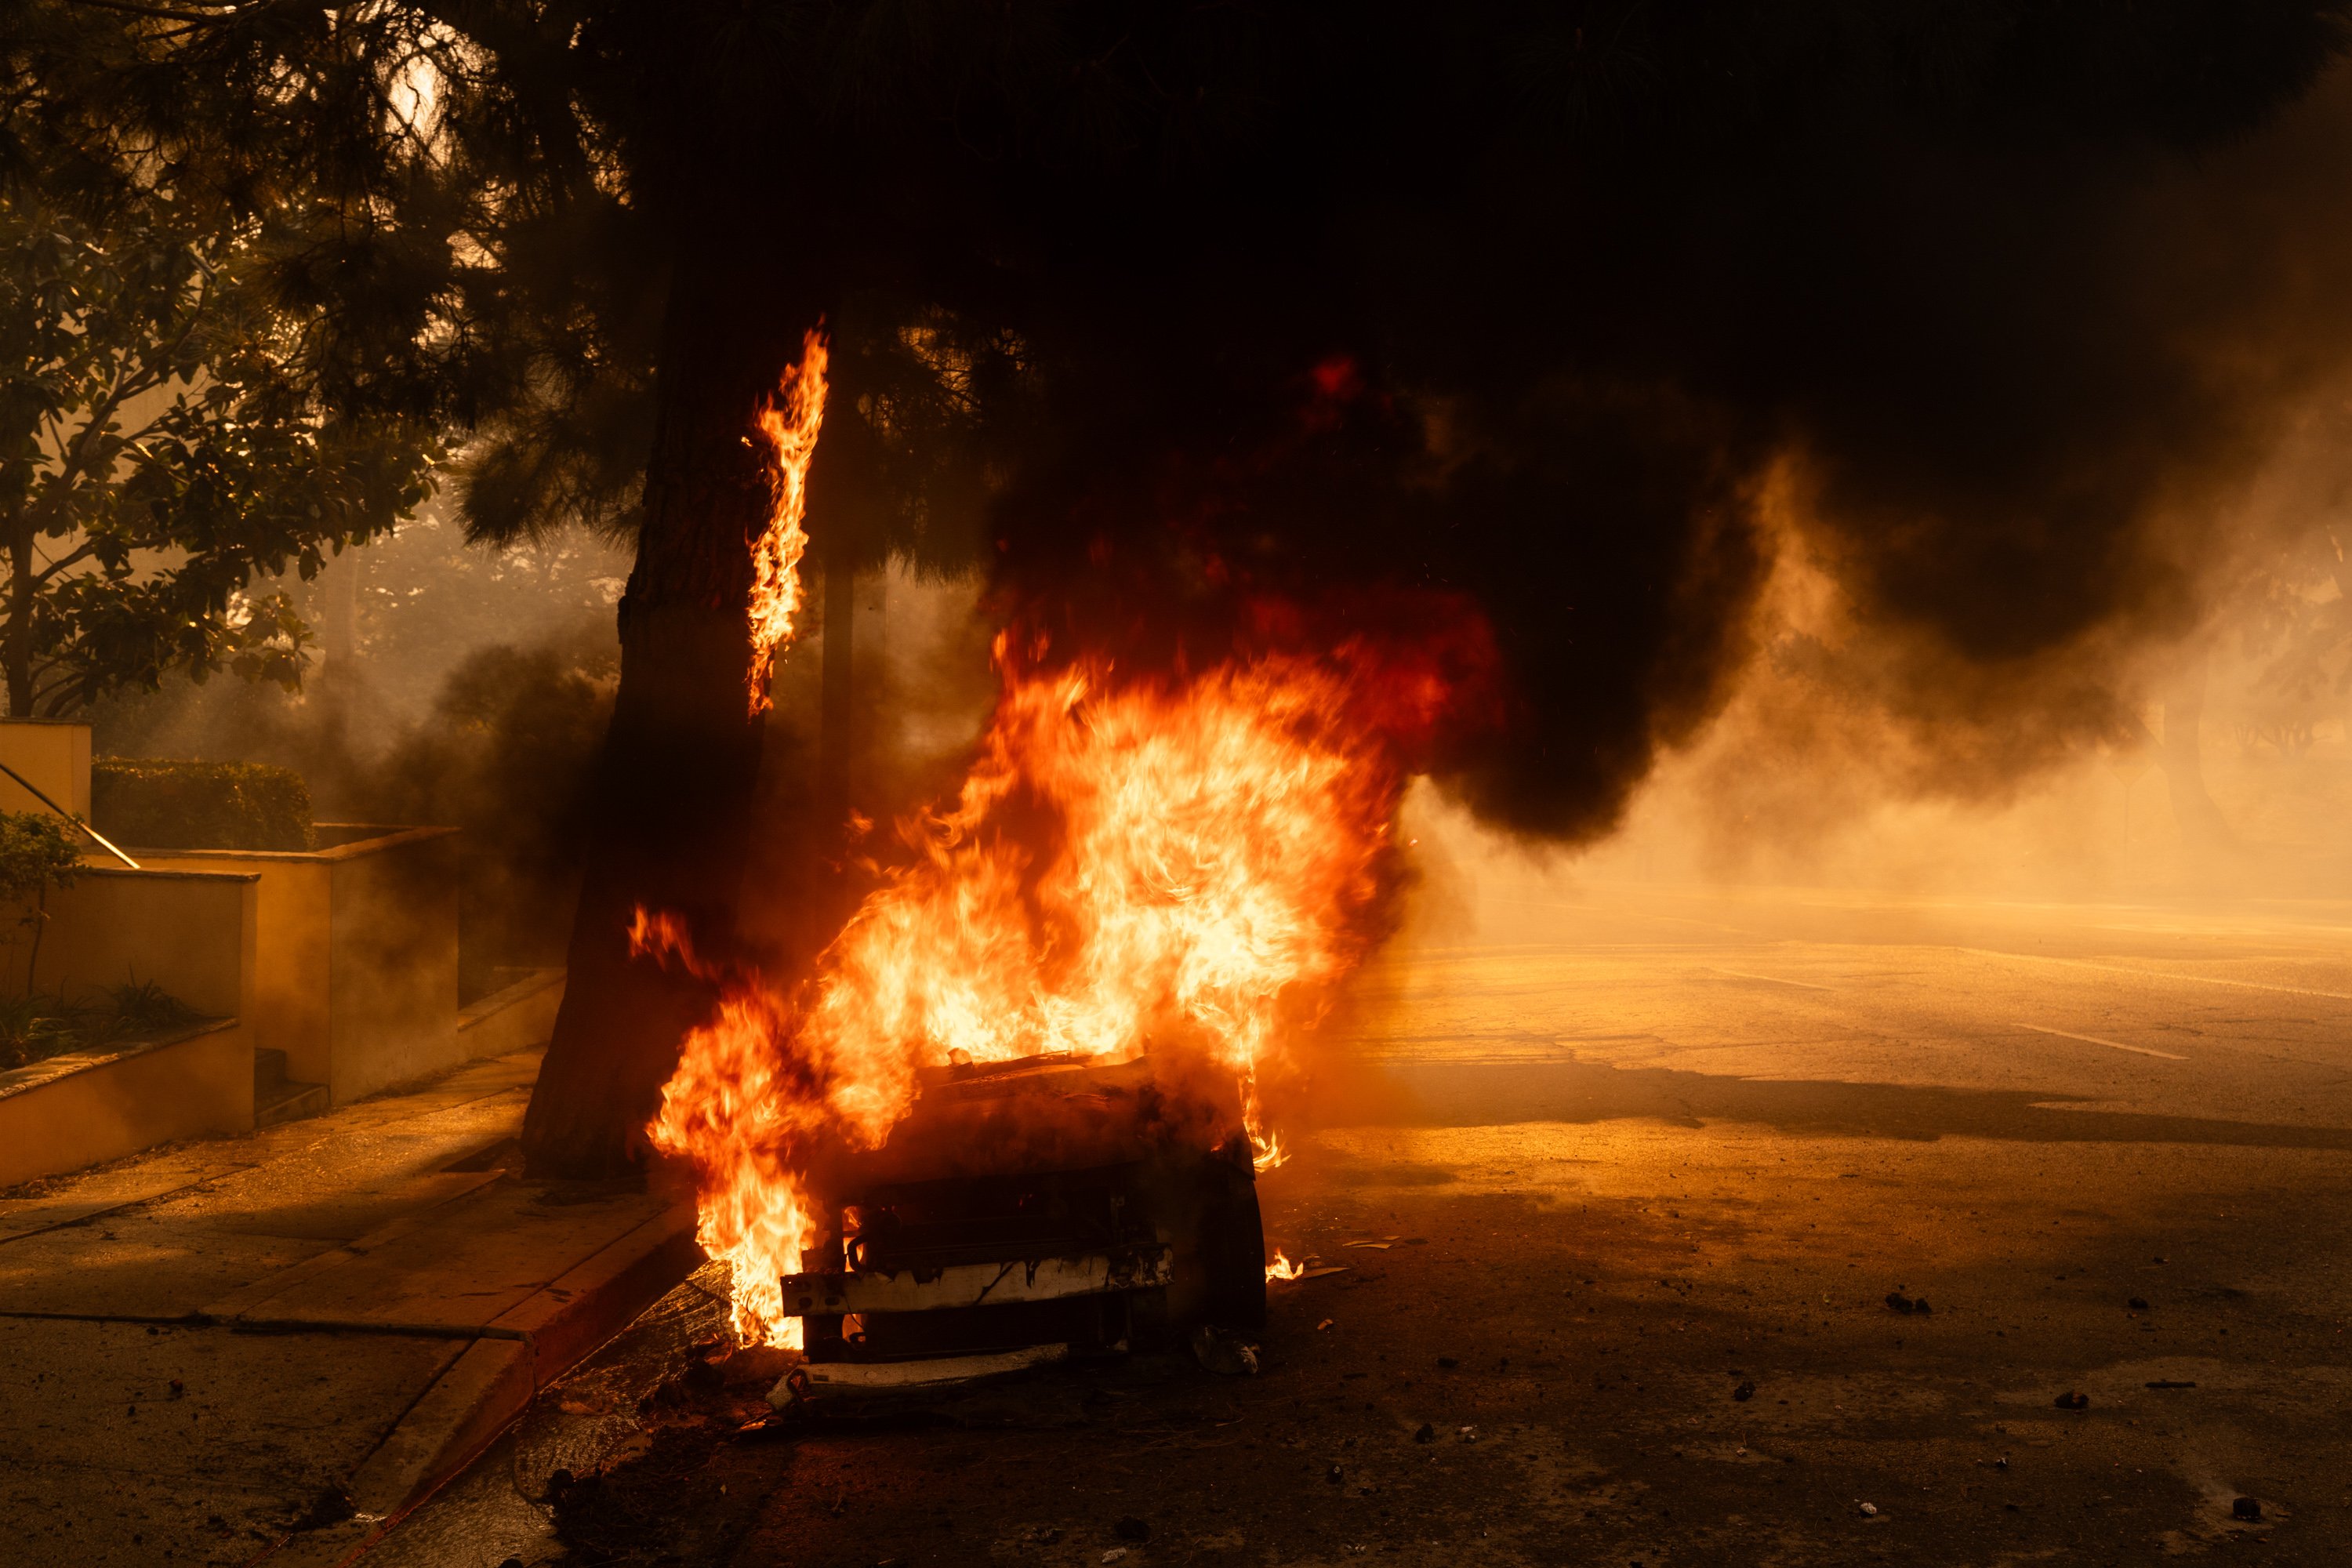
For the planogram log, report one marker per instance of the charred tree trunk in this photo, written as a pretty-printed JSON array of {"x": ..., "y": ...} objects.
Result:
[{"x": 672, "y": 804}]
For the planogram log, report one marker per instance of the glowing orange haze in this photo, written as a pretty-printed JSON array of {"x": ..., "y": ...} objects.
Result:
[
  {"x": 789, "y": 420},
  {"x": 1213, "y": 851}
]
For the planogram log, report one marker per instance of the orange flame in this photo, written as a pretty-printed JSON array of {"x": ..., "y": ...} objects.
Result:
[
  {"x": 1283, "y": 1269},
  {"x": 1183, "y": 867},
  {"x": 789, "y": 420}
]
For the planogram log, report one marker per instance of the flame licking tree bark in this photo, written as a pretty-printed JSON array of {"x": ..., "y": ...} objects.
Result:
[
  {"x": 790, "y": 421},
  {"x": 709, "y": 602},
  {"x": 1187, "y": 865}
]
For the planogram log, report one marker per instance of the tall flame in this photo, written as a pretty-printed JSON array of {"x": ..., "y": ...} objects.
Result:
[
  {"x": 1188, "y": 867},
  {"x": 790, "y": 421}
]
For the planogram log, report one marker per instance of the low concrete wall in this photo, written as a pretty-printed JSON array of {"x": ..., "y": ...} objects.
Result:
[
  {"x": 70, "y": 1111},
  {"x": 513, "y": 1019},
  {"x": 356, "y": 977},
  {"x": 54, "y": 756},
  {"x": 192, "y": 932}
]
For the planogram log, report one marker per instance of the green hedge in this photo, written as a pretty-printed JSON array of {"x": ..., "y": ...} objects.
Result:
[{"x": 162, "y": 804}]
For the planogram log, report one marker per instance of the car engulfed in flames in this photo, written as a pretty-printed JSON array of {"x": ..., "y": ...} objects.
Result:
[{"x": 1017, "y": 1104}]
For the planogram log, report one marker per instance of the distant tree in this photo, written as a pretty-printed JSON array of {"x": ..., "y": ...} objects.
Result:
[{"x": 161, "y": 455}]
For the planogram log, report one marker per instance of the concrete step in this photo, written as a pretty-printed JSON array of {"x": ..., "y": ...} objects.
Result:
[
  {"x": 287, "y": 1102},
  {"x": 269, "y": 1071}
]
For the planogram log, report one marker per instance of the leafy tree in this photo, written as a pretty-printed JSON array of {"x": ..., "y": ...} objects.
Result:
[{"x": 160, "y": 451}]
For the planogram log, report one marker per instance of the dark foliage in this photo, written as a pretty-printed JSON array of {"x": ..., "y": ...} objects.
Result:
[
  {"x": 164, "y": 804},
  {"x": 164, "y": 454}
]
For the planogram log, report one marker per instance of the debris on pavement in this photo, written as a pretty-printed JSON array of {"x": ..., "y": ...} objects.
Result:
[
  {"x": 1426, "y": 1434},
  {"x": 331, "y": 1506},
  {"x": 1745, "y": 1392},
  {"x": 2245, "y": 1508},
  {"x": 2073, "y": 1400},
  {"x": 1868, "y": 1510},
  {"x": 2137, "y": 1303},
  {"x": 2170, "y": 1383},
  {"x": 1898, "y": 1301},
  {"x": 1132, "y": 1529},
  {"x": 1224, "y": 1353}
]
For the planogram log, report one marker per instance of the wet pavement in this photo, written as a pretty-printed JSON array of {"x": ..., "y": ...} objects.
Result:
[{"x": 1633, "y": 1191}]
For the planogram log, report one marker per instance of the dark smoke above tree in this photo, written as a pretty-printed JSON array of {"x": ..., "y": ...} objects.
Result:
[{"x": 1155, "y": 309}]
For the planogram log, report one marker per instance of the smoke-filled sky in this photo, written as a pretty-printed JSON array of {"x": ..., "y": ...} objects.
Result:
[
  {"x": 1934, "y": 361},
  {"x": 1997, "y": 315}
]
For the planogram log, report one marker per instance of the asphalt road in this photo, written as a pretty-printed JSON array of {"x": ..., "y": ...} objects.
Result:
[{"x": 1622, "y": 1180}]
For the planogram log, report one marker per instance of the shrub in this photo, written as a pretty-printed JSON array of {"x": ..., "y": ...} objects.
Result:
[
  {"x": 35, "y": 1026},
  {"x": 162, "y": 804},
  {"x": 36, "y": 853},
  {"x": 31, "y": 1029}
]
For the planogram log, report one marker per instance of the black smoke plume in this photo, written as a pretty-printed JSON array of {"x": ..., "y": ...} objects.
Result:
[{"x": 1527, "y": 304}]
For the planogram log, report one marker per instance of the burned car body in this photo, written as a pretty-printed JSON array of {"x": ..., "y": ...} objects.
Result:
[{"x": 1024, "y": 1211}]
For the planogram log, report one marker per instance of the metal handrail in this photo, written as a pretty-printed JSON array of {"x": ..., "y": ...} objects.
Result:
[{"x": 104, "y": 842}]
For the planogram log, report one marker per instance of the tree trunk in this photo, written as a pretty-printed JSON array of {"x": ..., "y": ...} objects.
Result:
[{"x": 671, "y": 808}]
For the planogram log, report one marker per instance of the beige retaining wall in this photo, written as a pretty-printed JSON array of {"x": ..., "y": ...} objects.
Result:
[
  {"x": 54, "y": 756},
  {"x": 72, "y": 1111},
  {"x": 193, "y": 934},
  {"x": 356, "y": 977}
]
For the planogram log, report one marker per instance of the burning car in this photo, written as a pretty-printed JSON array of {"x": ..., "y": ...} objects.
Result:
[
  {"x": 1016, "y": 1105},
  {"x": 1024, "y": 1211}
]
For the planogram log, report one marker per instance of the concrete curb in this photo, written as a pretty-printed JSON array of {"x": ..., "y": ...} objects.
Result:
[{"x": 520, "y": 1352}]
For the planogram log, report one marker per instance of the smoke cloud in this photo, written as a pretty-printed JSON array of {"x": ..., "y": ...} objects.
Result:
[{"x": 1992, "y": 328}]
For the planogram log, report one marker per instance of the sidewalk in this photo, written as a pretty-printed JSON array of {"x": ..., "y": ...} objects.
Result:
[{"x": 217, "y": 1353}]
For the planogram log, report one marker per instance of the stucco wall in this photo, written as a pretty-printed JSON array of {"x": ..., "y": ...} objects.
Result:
[
  {"x": 193, "y": 934},
  {"x": 72, "y": 1111},
  {"x": 357, "y": 966},
  {"x": 54, "y": 755},
  {"x": 394, "y": 963}
]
